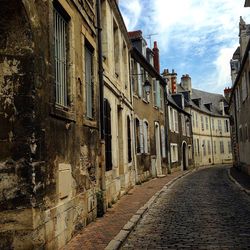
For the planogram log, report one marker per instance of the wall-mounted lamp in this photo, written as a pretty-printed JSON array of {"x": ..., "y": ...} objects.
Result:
[{"x": 147, "y": 87}]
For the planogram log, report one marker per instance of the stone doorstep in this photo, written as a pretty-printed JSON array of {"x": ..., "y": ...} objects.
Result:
[
  {"x": 237, "y": 183},
  {"x": 118, "y": 240}
]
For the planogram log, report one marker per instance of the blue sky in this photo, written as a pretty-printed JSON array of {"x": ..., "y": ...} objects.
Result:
[{"x": 194, "y": 37}]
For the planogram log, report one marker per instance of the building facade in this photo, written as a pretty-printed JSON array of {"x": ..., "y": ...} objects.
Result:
[
  {"x": 210, "y": 124},
  {"x": 118, "y": 110},
  {"x": 149, "y": 109},
  {"x": 239, "y": 104},
  {"x": 49, "y": 116},
  {"x": 180, "y": 141}
]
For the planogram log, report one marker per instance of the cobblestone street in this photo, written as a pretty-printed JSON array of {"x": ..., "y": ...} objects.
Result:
[{"x": 204, "y": 210}]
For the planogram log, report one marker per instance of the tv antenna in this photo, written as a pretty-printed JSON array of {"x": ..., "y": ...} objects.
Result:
[{"x": 149, "y": 37}]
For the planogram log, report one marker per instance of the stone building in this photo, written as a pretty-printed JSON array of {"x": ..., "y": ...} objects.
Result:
[
  {"x": 49, "y": 121},
  {"x": 118, "y": 110},
  {"x": 149, "y": 109},
  {"x": 239, "y": 103},
  {"x": 180, "y": 142},
  {"x": 210, "y": 124}
]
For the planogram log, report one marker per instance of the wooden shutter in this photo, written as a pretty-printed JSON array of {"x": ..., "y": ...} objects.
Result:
[
  {"x": 139, "y": 80},
  {"x": 141, "y": 136},
  {"x": 158, "y": 94},
  {"x": 163, "y": 143}
]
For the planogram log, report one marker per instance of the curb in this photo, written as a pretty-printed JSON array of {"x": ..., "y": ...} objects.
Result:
[
  {"x": 237, "y": 183},
  {"x": 119, "y": 239}
]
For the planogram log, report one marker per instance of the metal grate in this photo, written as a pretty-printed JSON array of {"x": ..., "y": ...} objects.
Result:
[{"x": 60, "y": 39}]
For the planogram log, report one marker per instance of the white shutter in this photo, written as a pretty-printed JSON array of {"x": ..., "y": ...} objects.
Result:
[
  {"x": 163, "y": 144},
  {"x": 158, "y": 97},
  {"x": 169, "y": 118},
  {"x": 139, "y": 80},
  {"x": 145, "y": 127},
  {"x": 141, "y": 136}
]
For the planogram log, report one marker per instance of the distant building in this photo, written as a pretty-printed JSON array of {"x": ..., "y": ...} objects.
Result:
[
  {"x": 178, "y": 121},
  {"x": 239, "y": 103},
  {"x": 149, "y": 109},
  {"x": 210, "y": 124}
]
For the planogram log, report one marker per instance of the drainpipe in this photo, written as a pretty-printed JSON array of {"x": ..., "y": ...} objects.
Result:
[
  {"x": 100, "y": 68},
  {"x": 236, "y": 133},
  {"x": 101, "y": 108}
]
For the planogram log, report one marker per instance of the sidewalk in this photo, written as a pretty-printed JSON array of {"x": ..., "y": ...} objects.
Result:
[
  {"x": 242, "y": 178},
  {"x": 98, "y": 234}
]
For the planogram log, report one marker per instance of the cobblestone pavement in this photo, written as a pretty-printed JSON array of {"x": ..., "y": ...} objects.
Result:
[
  {"x": 204, "y": 210},
  {"x": 98, "y": 234}
]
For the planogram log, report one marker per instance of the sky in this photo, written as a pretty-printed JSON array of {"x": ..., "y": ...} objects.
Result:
[{"x": 194, "y": 37}]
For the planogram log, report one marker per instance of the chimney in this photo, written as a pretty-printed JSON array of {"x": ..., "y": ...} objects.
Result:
[
  {"x": 227, "y": 93},
  {"x": 172, "y": 79},
  {"x": 156, "y": 57},
  {"x": 222, "y": 107},
  {"x": 186, "y": 83}
]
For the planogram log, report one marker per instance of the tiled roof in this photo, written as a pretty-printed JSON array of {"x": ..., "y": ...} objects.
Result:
[{"x": 135, "y": 34}]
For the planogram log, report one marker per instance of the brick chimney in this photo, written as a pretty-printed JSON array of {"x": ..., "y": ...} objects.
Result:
[
  {"x": 172, "y": 80},
  {"x": 156, "y": 57},
  {"x": 227, "y": 93}
]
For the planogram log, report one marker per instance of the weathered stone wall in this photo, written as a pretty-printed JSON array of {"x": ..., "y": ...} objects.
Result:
[{"x": 49, "y": 164}]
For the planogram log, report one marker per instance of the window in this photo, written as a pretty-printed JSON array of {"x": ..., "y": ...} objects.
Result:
[
  {"x": 129, "y": 140},
  {"x": 89, "y": 81},
  {"x": 176, "y": 126},
  {"x": 222, "y": 147},
  {"x": 139, "y": 136},
  {"x": 229, "y": 147},
  {"x": 143, "y": 78},
  {"x": 215, "y": 147},
  {"x": 133, "y": 77},
  {"x": 61, "y": 56},
  {"x": 188, "y": 128},
  {"x": 195, "y": 148},
  {"x": 198, "y": 146},
  {"x": 146, "y": 137},
  {"x": 161, "y": 98},
  {"x": 226, "y": 126},
  {"x": 193, "y": 123},
  {"x": 206, "y": 123},
  {"x": 163, "y": 143},
  {"x": 219, "y": 126},
  {"x": 107, "y": 135},
  {"x": 139, "y": 79},
  {"x": 213, "y": 124},
  {"x": 116, "y": 49},
  {"x": 208, "y": 148},
  {"x": 204, "y": 147},
  {"x": 189, "y": 152},
  {"x": 174, "y": 152},
  {"x": 154, "y": 92},
  {"x": 183, "y": 125},
  {"x": 197, "y": 124},
  {"x": 202, "y": 123},
  {"x": 244, "y": 87}
]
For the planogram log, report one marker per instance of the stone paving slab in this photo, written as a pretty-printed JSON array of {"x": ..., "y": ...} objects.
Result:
[{"x": 122, "y": 217}]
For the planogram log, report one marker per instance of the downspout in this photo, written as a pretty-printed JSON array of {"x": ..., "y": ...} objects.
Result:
[
  {"x": 166, "y": 130},
  {"x": 236, "y": 132},
  {"x": 102, "y": 204},
  {"x": 100, "y": 68}
]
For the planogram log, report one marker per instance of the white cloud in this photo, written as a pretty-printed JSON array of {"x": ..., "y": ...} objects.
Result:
[
  {"x": 204, "y": 29},
  {"x": 132, "y": 12}
]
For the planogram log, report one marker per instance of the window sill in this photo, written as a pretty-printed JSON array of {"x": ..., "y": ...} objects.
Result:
[
  {"x": 90, "y": 122},
  {"x": 144, "y": 100},
  {"x": 62, "y": 113}
]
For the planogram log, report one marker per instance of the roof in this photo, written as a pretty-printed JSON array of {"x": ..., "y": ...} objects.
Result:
[
  {"x": 137, "y": 34},
  {"x": 207, "y": 98},
  {"x": 172, "y": 102}
]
